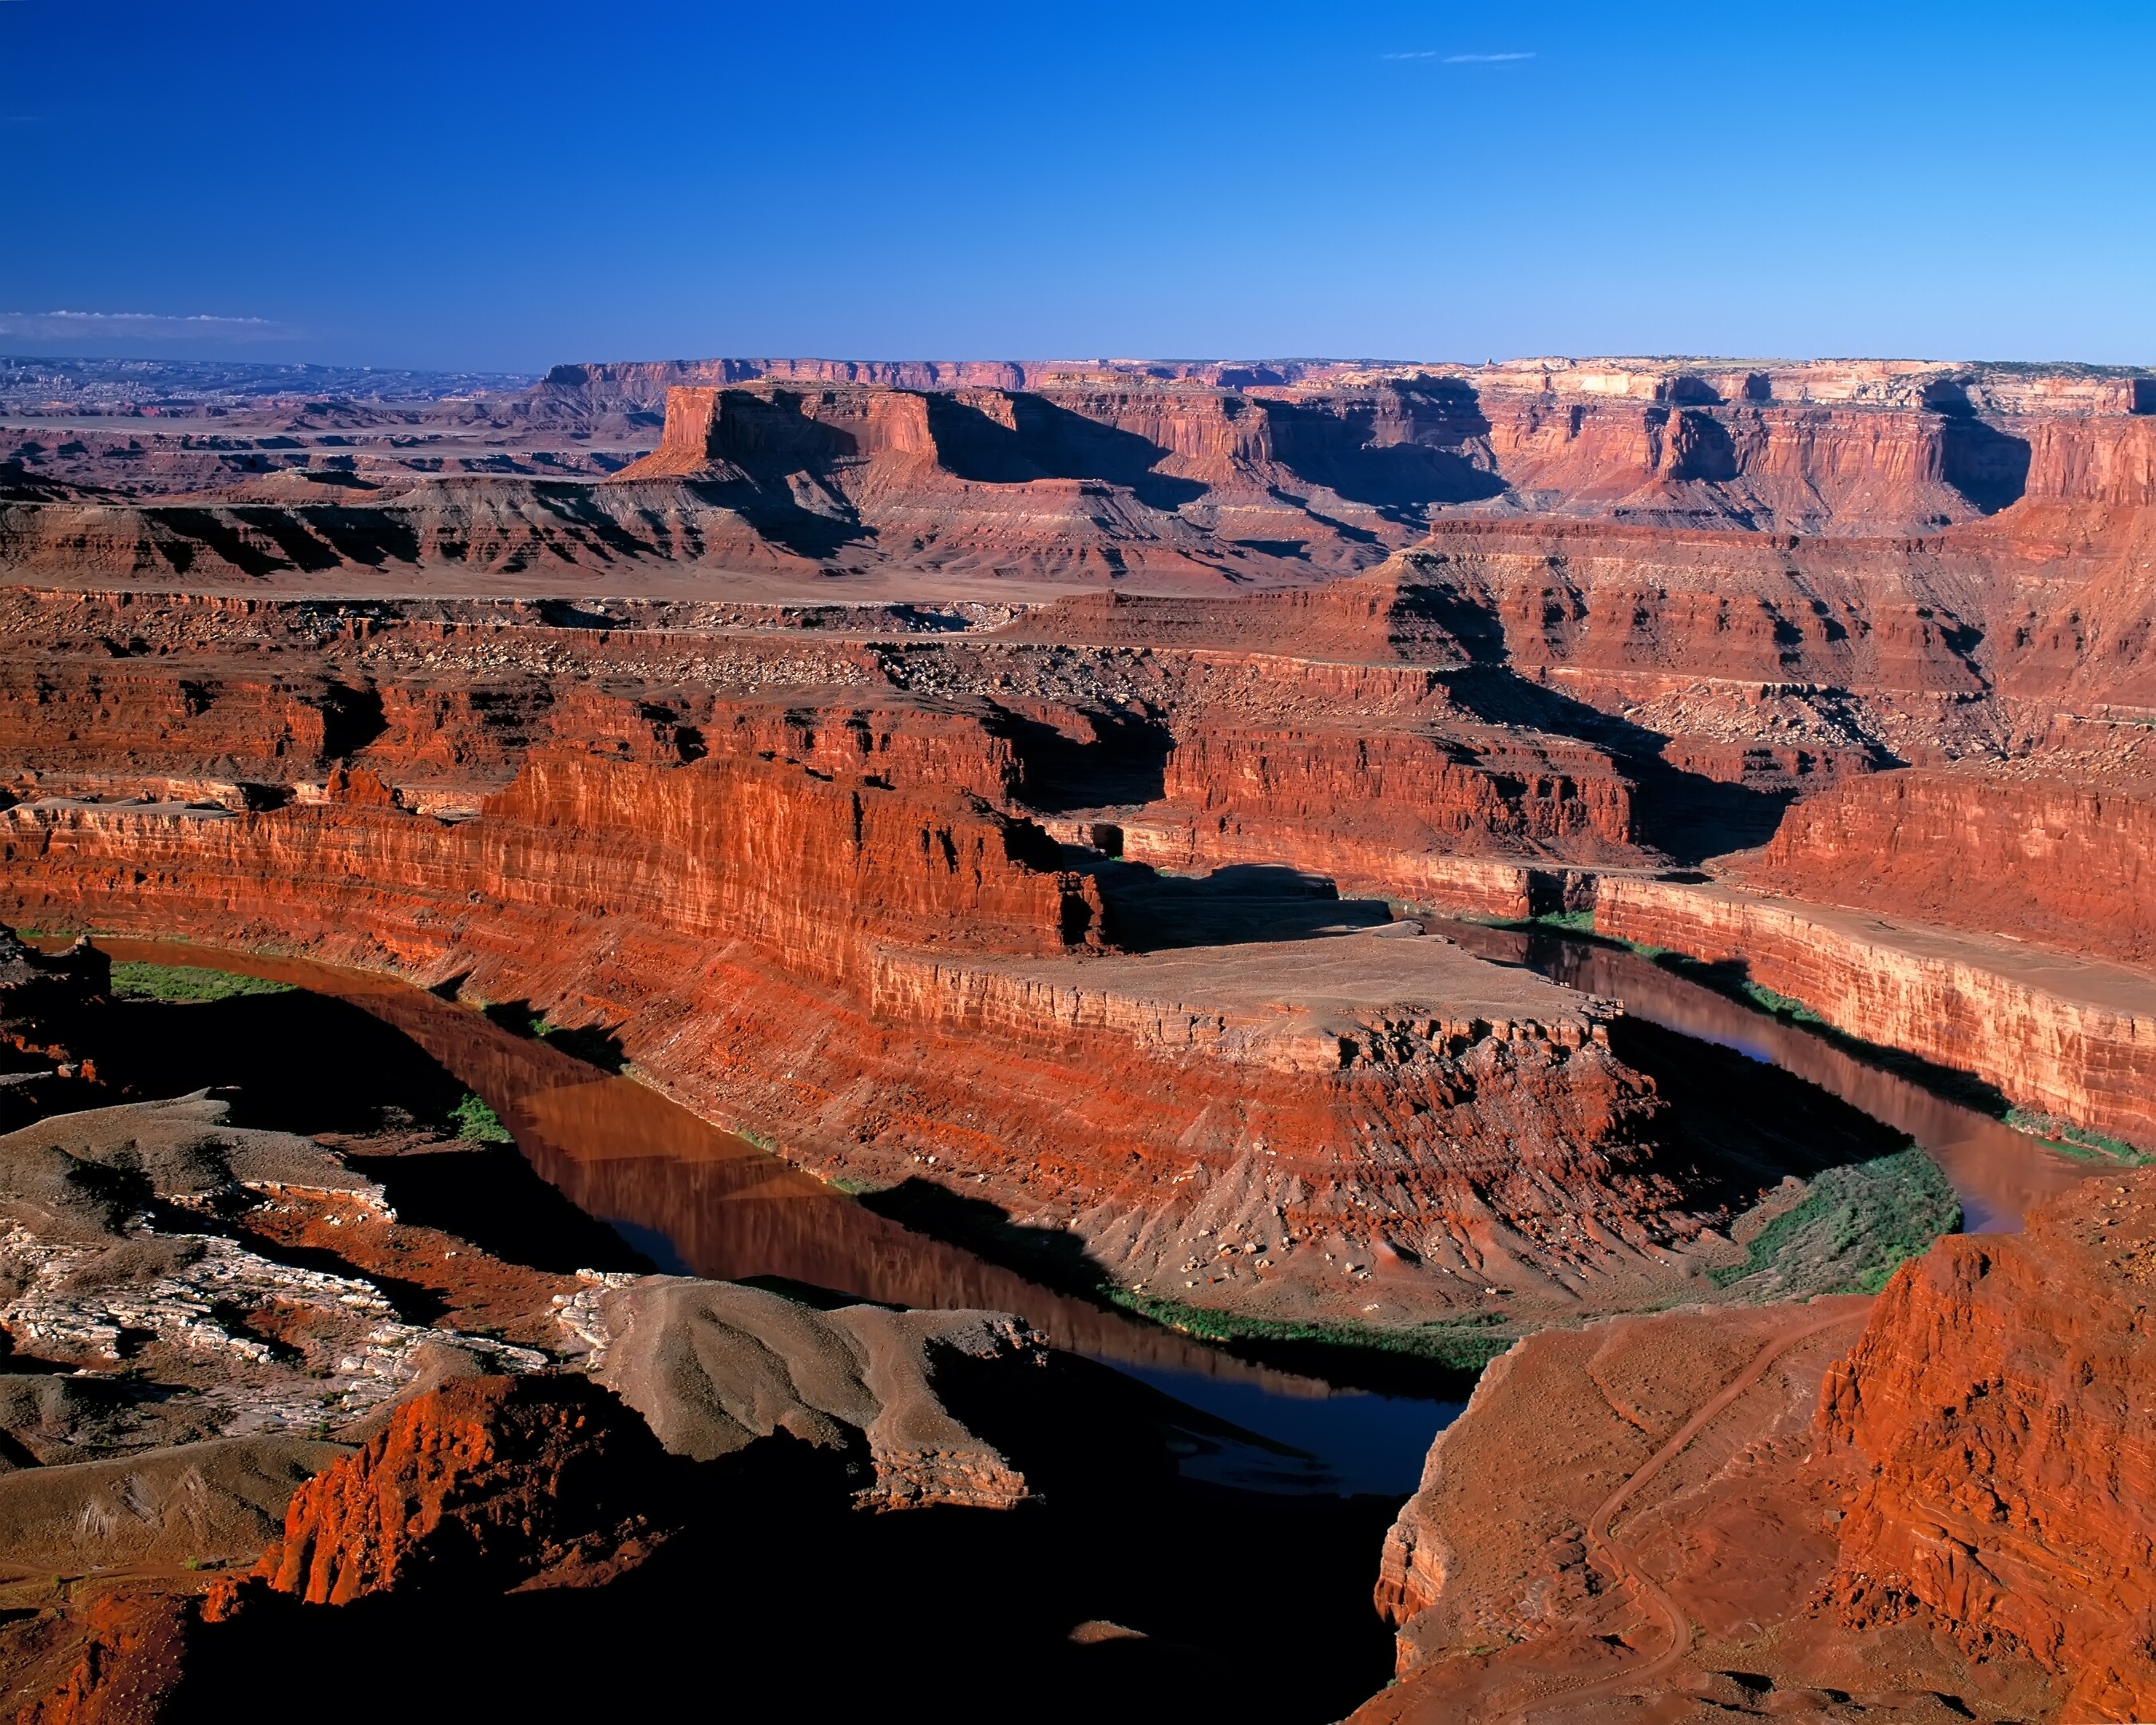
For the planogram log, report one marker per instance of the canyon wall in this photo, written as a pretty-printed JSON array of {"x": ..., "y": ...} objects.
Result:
[
  {"x": 1997, "y": 1409},
  {"x": 2065, "y": 859},
  {"x": 829, "y": 960},
  {"x": 2057, "y": 1036},
  {"x": 1178, "y": 473}
]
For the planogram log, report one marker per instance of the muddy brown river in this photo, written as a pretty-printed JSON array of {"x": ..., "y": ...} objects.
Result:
[{"x": 696, "y": 1200}]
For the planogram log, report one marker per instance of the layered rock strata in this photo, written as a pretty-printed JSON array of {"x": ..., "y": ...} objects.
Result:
[
  {"x": 1195, "y": 475},
  {"x": 1355, "y": 1108},
  {"x": 2062, "y": 852},
  {"x": 2071, "y": 1038}
]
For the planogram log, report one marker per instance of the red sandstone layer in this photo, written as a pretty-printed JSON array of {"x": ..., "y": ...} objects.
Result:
[
  {"x": 816, "y": 958},
  {"x": 2061, "y": 853},
  {"x": 2000, "y": 1404},
  {"x": 2060, "y": 1036}
]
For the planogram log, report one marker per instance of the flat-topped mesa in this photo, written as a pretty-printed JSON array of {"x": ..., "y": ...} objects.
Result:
[
  {"x": 1070, "y": 428},
  {"x": 1381, "y": 1111},
  {"x": 1934, "y": 384},
  {"x": 1890, "y": 448},
  {"x": 1186, "y": 474}
]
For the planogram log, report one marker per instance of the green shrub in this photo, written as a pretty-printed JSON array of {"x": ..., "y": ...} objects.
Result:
[
  {"x": 1781, "y": 1006},
  {"x": 2080, "y": 1141},
  {"x": 1851, "y": 1231},
  {"x": 473, "y": 1119},
  {"x": 1578, "y": 921},
  {"x": 185, "y": 983},
  {"x": 1466, "y": 1345}
]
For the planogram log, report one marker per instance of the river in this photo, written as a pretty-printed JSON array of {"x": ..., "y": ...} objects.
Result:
[
  {"x": 1997, "y": 1172},
  {"x": 698, "y": 1200}
]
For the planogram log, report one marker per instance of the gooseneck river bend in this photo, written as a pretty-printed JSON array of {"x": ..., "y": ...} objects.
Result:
[{"x": 697, "y": 1200}]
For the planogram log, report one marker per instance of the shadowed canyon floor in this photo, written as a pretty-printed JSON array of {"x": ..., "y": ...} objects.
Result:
[{"x": 1276, "y": 878}]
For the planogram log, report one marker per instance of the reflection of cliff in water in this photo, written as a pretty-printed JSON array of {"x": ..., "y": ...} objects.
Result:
[
  {"x": 704, "y": 1202},
  {"x": 1997, "y": 1172}
]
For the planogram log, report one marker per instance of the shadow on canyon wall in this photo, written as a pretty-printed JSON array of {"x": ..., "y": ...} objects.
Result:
[
  {"x": 1686, "y": 816},
  {"x": 1732, "y": 977},
  {"x": 303, "y": 1063},
  {"x": 1239, "y": 903},
  {"x": 1057, "y": 1259},
  {"x": 1046, "y": 440},
  {"x": 1124, "y": 760}
]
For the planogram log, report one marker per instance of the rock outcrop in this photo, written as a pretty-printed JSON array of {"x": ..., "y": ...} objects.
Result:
[
  {"x": 1998, "y": 1406},
  {"x": 485, "y": 1483},
  {"x": 713, "y": 1367},
  {"x": 2059, "y": 852}
]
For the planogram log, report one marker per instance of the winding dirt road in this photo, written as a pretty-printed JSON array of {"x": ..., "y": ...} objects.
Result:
[{"x": 1611, "y": 1555}]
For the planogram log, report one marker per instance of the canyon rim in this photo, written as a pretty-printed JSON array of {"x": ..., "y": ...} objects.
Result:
[{"x": 858, "y": 1018}]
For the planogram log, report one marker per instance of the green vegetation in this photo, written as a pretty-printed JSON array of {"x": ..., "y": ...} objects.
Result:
[
  {"x": 751, "y": 1135},
  {"x": 1851, "y": 1231},
  {"x": 473, "y": 1119},
  {"x": 184, "y": 983},
  {"x": 1457, "y": 1346},
  {"x": 2078, "y": 1142},
  {"x": 848, "y": 1184},
  {"x": 1573, "y": 921},
  {"x": 1782, "y": 1006}
]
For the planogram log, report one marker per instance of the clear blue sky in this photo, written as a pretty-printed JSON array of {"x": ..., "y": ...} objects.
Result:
[{"x": 472, "y": 184}]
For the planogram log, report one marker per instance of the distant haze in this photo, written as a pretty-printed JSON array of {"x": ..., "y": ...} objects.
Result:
[{"x": 497, "y": 187}]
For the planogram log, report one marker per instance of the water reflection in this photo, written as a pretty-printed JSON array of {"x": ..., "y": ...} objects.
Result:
[
  {"x": 701, "y": 1201},
  {"x": 1997, "y": 1172}
]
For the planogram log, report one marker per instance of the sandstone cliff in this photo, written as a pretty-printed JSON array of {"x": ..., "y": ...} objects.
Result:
[
  {"x": 487, "y": 1481},
  {"x": 1998, "y": 1406},
  {"x": 2062, "y": 853}
]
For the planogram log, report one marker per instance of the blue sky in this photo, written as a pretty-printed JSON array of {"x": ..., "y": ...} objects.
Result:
[{"x": 469, "y": 184}]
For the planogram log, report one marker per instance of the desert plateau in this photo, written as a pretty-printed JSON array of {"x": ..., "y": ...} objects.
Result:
[
  {"x": 1071, "y": 1039},
  {"x": 744, "y": 980}
]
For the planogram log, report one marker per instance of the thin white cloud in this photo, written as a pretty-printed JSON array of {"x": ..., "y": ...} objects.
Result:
[
  {"x": 1483, "y": 59},
  {"x": 140, "y": 326},
  {"x": 1427, "y": 54}
]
